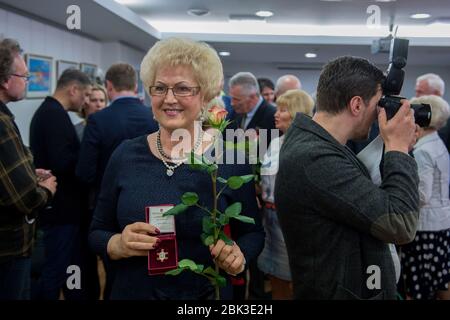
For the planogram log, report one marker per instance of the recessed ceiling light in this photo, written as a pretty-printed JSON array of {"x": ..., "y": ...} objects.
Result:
[
  {"x": 224, "y": 53},
  {"x": 385, "y": 0},
  {"x": 198, "y": 12},
  {"x": 420, "y": 16},
  {"x": 311, "y": 55},
  {"x": 264, "y": 13}
]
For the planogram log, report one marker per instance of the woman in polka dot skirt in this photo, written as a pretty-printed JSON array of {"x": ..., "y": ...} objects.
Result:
[{"x": 426, "y": 260}]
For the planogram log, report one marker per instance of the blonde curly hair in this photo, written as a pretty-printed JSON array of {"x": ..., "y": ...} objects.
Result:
[{"x": 199, "y": 56}]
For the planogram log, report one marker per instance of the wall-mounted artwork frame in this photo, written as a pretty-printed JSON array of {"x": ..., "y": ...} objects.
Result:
[
  {"x": 41, "y": 71},
  {"x": 89, "y": 69},
  {"x": 62, "y": 65}
]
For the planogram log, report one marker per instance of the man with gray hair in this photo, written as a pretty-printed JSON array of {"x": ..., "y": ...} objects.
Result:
[
  {"x": 432, "y": 84},
  {"x": 285, "y": 83},
  {"x": 250, "y": 111}
]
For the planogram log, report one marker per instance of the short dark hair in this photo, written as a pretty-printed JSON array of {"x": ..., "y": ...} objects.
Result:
[
  {"x": 122, "y": 76},
  {"x": 344, "y": 78},
  {"x": 9, "y": 49},
  {"x": 70, "y": 76},
  {"x": 265, "y": 82}
]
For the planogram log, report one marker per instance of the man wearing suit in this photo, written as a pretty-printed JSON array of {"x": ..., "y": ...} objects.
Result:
[
  {"x": 55, "y": 146},
  {"x": 251, "y": 111},
  {"x": 125, "y": 118}
]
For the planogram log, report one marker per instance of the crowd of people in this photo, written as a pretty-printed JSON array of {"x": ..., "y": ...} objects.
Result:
[{"x": 322, "y": 227}]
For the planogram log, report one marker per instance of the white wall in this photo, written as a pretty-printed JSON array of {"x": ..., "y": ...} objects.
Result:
[{"x": 42, "y": 39}]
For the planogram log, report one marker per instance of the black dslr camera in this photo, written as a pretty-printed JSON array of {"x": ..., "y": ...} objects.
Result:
[{"x": 394, "y": 81}]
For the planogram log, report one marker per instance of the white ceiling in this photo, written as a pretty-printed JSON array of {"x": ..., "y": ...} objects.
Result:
[{"x": 140, "y": 23}]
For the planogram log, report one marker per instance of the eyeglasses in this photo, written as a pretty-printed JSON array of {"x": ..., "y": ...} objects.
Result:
[
  {"x": 178, "y": 91},
  {"x": 26, "y": 76}
]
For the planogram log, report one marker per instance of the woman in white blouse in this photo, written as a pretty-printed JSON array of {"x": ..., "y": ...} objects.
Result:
[
  {"x": 273, "y": 260},
  {"x": 426, "y": 260}
]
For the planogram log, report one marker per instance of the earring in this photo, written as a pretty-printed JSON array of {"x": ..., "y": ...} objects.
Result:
[{"x": 202, "y": 119}]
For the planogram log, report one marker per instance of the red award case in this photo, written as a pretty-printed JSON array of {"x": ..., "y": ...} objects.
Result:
[{"x": 164, "y": 257}]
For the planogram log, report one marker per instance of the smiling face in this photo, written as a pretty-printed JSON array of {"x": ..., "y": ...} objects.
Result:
[{"x": 175, "y": 112}]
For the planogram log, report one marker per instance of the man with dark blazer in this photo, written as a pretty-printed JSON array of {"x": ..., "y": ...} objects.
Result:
[
  {"x": 55, "y": 146},
  {"x": 251, "y": 111},
  {"x": 336, "y": 222},
  {"x": 125, "y": 118}
]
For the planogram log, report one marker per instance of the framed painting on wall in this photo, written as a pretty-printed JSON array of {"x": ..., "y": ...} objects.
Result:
[
  {"x": 90, "y": 70},
  {"x": 62, "y": 65},
  {"x": 41, "y": 70}
]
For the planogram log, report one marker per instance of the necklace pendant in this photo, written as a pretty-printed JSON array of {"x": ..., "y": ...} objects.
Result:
[{"x": 169, "y": 172}]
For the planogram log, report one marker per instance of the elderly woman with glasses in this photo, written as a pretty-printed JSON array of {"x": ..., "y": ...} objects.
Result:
[{"x": 151, "y": 172}]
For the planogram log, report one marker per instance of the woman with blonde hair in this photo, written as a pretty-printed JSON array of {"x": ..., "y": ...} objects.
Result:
[
  {"x": 274, "y": 259},
  {"x": 151, "y": 171},
  {"x": 98, "y": 99},
  {"x": 426, "y": 260}
]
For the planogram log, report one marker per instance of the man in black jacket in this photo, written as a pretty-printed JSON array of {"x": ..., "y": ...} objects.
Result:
[
  {"x": 55, "y": 145},
  {"x": 251, "y": 112},
  {"x": 22, "y": 193},
  {"x": 336, "y": 222}
]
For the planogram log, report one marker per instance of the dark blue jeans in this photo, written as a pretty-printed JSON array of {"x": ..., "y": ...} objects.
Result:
[
  {"x": 61, "y": 242},
  {"x": 15, "y": 278}
]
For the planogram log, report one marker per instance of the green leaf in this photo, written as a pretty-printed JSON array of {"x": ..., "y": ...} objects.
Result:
[
  {"x": 221, "y": 180},
  {"x": 199, "y": 268},
  {"x": 235, "y": 182},
  {"x": 210, "y": 271},
  {"x": 247, "y": 178},
  {"x": 225, "y": 239},
  {"x": 221, "y": 281},
  {"x": 224, "y": 219},
  {"x": 189, "y": 198},
  {"x": 224, "y": 125},
  {"x": 188, "y": 264},
  {"x": 175, "y": 272},
  {"x": 179, "y": 208},
  {"x": 233, "y": 210},
  {"x": 245, "y": 219},
  {"x": 207, "y": 239},
  {"x": 208, "y": 225},
  {"x": 212, "y": 167}
]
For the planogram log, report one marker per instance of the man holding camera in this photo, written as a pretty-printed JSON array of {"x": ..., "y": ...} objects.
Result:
[{"x": 336, "y": 221}]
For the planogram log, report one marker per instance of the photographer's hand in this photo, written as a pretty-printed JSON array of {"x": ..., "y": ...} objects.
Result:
[{"x": 398, "y": 133}]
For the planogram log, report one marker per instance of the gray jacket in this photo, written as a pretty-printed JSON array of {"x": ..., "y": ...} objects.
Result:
[{"x": 336, "y": 222}]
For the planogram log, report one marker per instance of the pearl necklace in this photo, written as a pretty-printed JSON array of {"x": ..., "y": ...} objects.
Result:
[{"x": 171, "y": 169}]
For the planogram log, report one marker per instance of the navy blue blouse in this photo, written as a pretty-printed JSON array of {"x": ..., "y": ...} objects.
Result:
[{"x": 134, "y": 179}]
